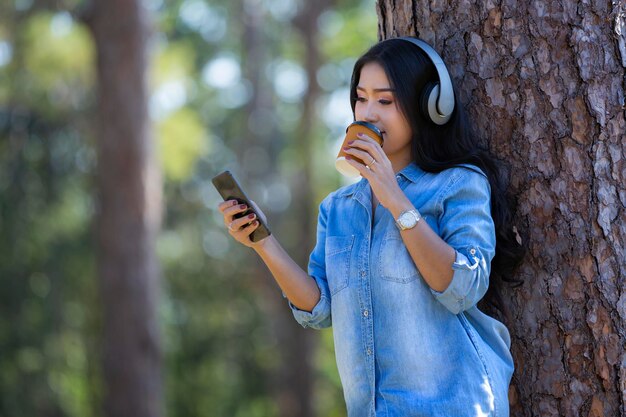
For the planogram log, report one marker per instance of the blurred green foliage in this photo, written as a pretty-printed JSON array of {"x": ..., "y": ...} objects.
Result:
[
  {"x": 181, "y": 141},
  {"x": 219, "y": 351}
]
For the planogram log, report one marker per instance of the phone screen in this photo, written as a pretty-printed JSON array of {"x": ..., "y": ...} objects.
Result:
[{"x": 229, "y": 189}]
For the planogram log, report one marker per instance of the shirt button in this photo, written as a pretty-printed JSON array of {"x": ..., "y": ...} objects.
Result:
[
  {"x": 473, "y": 251},
  {"x": 362, "y": 273},
  {"x": 369, "y": 351},
  {"x": 366, "y": 313}
]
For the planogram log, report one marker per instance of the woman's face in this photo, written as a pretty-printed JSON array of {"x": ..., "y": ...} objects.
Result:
[{"x": 376, "y": 103}]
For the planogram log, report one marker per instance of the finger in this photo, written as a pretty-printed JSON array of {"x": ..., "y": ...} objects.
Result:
[
  {"x": 237, "y": 224},
  {"x": 258, "y": 211},
  {"x": 229, "y": 216},
  {"x": 360, "y": 167},
  {"x": 375, "y": 142},
  {"x": 369, "y": 139},
  {"x": 371, "y": 146},
  {"x": 225, "y": 204},
  {"x": 362, "y": 155},
  {"x": 231, "y": 211},
  {"x": 247, "y": 231}
]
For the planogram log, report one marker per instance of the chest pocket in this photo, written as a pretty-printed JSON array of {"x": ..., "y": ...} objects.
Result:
[
  {"x": 338, "y": 251},
  {"x": 394, "y": 261}
]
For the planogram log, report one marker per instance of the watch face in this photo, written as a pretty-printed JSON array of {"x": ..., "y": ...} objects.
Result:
[{"x": 407, "y": 220}]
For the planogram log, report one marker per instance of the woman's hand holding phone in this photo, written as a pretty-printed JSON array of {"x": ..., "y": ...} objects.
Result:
[
  {"x": 240, "y": 211},
  {"x": 252, "y": 231},
  {"x": 241, "y": 228}
]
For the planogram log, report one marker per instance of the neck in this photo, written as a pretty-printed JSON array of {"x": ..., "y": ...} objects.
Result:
[{"x": 398, "y": 164}]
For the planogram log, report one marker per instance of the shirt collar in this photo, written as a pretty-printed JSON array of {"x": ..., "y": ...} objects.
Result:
[{"x": 411, "y": 172}]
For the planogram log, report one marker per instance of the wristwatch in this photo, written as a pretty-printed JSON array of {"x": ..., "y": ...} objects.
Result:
[{"x": 408, "y": 219}]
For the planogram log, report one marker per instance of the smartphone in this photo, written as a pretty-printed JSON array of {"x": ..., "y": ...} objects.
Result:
[{"x": 229, "y": 189}]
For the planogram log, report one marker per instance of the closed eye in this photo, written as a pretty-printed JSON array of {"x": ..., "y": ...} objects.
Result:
[{"x": 384, "y": 102}]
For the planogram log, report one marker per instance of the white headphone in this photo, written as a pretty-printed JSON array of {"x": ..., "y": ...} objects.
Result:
[{"x": 437, "y": 99}]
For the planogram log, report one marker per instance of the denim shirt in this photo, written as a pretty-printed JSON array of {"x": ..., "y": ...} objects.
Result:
[{"x": 402, "y": 348}]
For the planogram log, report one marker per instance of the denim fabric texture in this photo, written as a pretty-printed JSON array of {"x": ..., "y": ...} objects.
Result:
[{"x": 403, "y": 349}]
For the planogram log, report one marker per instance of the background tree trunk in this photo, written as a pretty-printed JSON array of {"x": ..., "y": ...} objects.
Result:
[
  {"x": 128, "y": 214},
  {"x": 543, "y": 83},
  {"x": 290, "y": 384},
  {"x": 293, "y": 383}
]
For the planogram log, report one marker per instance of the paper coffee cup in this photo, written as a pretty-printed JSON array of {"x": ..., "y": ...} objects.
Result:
[{"x": 356, "y": 127}]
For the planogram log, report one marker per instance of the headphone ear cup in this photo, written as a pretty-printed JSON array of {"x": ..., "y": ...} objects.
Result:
[
  {"x": 428, "y": 104},
  {"x": 428, "y": 101}
]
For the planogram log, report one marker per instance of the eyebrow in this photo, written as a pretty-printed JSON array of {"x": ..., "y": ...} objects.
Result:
[{"x": 377, "y": 90}]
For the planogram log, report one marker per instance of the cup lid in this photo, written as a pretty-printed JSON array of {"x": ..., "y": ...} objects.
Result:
[{"x": 367, "y": 125}]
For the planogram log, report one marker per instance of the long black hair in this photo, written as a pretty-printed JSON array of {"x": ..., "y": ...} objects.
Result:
[{"x": 435, "y": 148}]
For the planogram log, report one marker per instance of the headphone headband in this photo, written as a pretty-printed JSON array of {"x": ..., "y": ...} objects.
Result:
[{"x": 440, "y": 100}]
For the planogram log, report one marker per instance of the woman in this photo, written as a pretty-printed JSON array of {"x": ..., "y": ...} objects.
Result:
[{"x": 403, "y": 256}]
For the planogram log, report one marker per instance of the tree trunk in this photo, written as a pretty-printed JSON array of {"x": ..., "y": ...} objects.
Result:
[
  {"x": 292, "y": 384},
  {"x": 129, "y": 211},
  {"x": 543, "y": 83}
]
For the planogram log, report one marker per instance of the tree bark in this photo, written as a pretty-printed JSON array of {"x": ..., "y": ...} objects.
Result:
[
  {"x": 129, "y": 211},
  {"x": 543, "y": 83}
]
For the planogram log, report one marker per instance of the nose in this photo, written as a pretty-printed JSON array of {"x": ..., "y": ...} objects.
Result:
[{"x": 369, "y": 113}]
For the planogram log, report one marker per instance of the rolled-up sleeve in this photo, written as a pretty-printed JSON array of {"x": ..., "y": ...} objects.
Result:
[
  {"x": 467, "y": 226},
  {"x": 320, "y": 316}
]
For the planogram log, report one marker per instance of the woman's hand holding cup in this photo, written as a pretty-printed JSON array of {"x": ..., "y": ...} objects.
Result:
[
  {"x": 367, "y": 157},
  {"x": 355, "y": 131}
]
